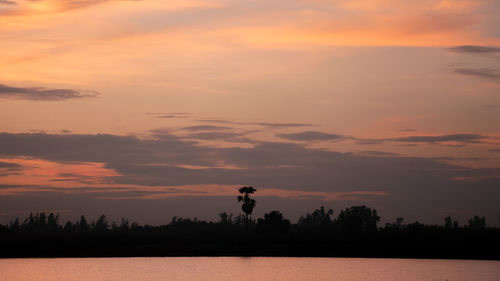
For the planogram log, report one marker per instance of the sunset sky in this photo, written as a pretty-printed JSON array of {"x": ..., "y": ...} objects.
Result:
[{"x": 153, "y": 109}]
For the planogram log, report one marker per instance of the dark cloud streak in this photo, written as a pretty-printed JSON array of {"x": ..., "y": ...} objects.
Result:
[
  {"x": 312, "y": 136},
  {"x": 206, "y": 128},
  {"x": 264, "y": 124},
  {"x": 485, "y": 73},
  {"x": 43, "y": 94},
  {"x": 164, "y": 159},
  {"x": 474, "y": 49},
  {"x": 7, "y": 165},
  {"x": 462, "y": 138},
  {"x": 7, "y": 2}
]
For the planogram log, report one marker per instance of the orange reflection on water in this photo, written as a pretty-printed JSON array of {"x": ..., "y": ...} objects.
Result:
[{"x": 246, "y": 269}]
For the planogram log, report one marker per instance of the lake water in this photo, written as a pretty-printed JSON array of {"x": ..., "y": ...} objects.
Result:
[{"x": 234, "y": 268}]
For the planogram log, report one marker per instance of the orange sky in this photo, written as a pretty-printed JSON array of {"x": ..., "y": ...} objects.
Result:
[{"x": 410, "y": 79}]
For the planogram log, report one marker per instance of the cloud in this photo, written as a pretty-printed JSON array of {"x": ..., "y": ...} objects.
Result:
[
  {"x": 473, "y": 49},
  {"x": 297, "y": 22},
  {"x": 7, "y": 2},
  {"x": 228, "y": 136},
  {"x": 169, "y": 115},
  {"x": 378, "y": 153},
  {"x": 163, "y": 113},
  {"x": 159, "y": 160},
  {"x": 449, "y": 139},
  {"x": 460, "y": 138},
  {"x": 7, "y": 165},
  {"x": 43, "y": 94},
  {"x": 164, "y": 160},
  {"x": 206, "y": 128},
  {"x": 282, "y": 125},
  {"x": 492, "y": 106},
  {"x": 209, "y": 133},
  {"x": 66, "y": 5},
  {"x": 264, "y": 124},
  {"x": 486, "y": 73},
  {"x": 312, "y": 136},
  {"x": 369, "y": 141},
  {"x": 7, "y": 168}
]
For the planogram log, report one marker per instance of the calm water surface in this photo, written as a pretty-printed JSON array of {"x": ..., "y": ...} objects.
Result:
[{"x": 230, "y": 268}]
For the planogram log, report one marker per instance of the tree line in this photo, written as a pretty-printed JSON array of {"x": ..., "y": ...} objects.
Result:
[
  {"x": 355, "y": 231},
  {"x": 356, "y": 219}
]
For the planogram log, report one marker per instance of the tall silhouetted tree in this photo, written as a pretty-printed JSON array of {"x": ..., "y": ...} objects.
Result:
[{"x": 248, "y": 203}]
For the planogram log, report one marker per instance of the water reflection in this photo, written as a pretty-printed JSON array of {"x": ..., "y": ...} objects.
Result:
[{"x": 230, "y": 268}]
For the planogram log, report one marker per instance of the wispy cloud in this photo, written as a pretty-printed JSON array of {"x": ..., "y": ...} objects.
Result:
[
  {"x": 27, "y": 7},
  {"x": 449, "y": 139},
  {"x": 456, "y": 140},
  {"x": 169, "y": 115},
  {"x": 8, "y": 165},
  {"x": 461, "y": 138},
  {"x": 473, "y": 49},
  {"x": 229, "y": 136},
  {"x": 264, "y": 124},
  {"x": 43, "y": 94},
  {"x": 7, "y": 2},
  {"x": 7, "y": 168},
  {"x": 312, "y": 136},
  {"x": 206, "y": 128},
  {"x": 492, "y": 106},
  {"x": 486, "y": 73}
]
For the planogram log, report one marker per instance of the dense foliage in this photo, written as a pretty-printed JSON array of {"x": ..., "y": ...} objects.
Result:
[{"x": 354, "y": 232}]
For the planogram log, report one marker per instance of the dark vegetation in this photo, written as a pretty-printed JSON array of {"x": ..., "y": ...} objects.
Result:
[{"x": 353, "y": 233}]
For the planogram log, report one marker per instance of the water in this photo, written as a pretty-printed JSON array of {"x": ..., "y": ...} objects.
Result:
[{"x": 230, "y": 268}]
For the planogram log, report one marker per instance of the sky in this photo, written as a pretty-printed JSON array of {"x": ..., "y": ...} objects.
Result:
[{"x": 153, "y": 109}]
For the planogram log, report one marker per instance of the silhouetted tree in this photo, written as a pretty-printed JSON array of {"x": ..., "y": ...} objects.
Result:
[
  {"x": 477, "y": 223},
  {"x": 240, "y": 220},
  {"x": 358, "y": 219},
  {"x": 14, "y": 225},
  {"x": 226, "y": 218},
  {"x": 273, "y": 222},
  {"x": 248, "y": 203},
  {"x": 53, "y": 222},
  {"x": 101, "y": 224},
  {"x": 40, "y": 222},
  {"x": 124, "y": 226},
  {"x": 69, "y": 227},
  {"x": 319, "y": 217},
  {"x": 449, "y": 223},
  {"x": 399, "y": 224},
  {"x": 82, "y": 225},
  {"x": 352, "y": 233}
]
